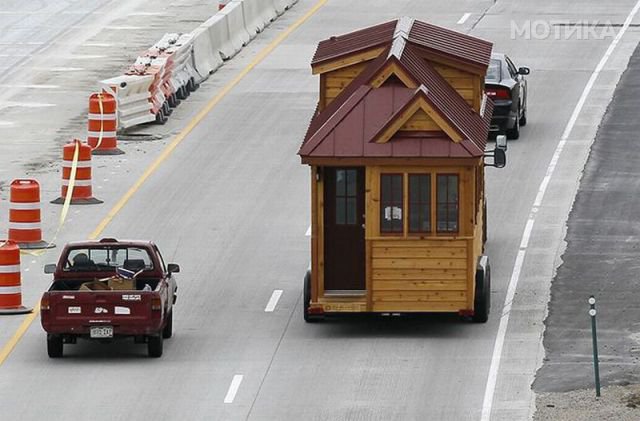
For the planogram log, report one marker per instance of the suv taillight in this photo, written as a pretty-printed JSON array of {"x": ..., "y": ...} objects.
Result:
[{"x": 498, "y": 93}]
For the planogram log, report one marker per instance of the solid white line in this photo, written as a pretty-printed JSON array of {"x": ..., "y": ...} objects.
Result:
[
  {"x": 30, "y": 86},
  {"x": 464, "y": 18},
  {"x": 308, "y": 233},
  {"x": 273, "y": 301},
  {"x": 233, "y": 388},
  {"x": 517, "y": 267}
]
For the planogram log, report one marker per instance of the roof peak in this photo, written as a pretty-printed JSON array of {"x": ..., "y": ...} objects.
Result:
[{"x": 400, "y": 36}]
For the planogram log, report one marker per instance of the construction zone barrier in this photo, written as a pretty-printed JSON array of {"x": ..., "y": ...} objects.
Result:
[
  {"x": 234, "y": 16},
  {"x": 172, "y": 68},
  {"x": 257, "y": 15},
  {"x": 25, "y": 216},
  {"x": 76, "y": 174},
  {"x": 10, "y": 280},
  {"x": 103, "y": 124},
  {"x": 282, "y": 6},
  {"x": 133, "y": 98}
]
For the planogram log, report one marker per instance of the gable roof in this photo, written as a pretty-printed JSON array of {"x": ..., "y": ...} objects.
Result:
[
  {"x": 442, "y": 42},
  {"x": 361, "y": 107}
]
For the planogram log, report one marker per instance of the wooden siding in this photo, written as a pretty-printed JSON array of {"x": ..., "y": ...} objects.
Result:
[
  {"x": 468, "y": 85},
  {"x": 419, "y": 275},
  {"x": 335, "y": 81},
  {"x": 420, "y": 121}
]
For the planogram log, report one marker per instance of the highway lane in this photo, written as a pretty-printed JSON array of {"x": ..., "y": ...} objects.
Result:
[{"x": 231, "y": 205}]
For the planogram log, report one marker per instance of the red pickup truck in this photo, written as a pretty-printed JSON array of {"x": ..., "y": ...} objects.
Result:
[{"x": 109, "y": 289}]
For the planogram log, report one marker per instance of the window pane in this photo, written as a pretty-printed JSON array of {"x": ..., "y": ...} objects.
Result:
[
  {"x": 351, "y": 182},
  {"x": 340, "y": 183},
  {"x": 447, "y": 209},
  {"x": 391, "y": 203},
  {"x": 351, "y": 211},
  {"x": 453, "y": 189},
  {"x": 420, "y": 199},
  {"x": 340, "y": 210}
]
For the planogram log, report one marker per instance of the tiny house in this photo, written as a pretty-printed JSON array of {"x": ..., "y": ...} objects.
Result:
[{"x": 396, "y": 150}]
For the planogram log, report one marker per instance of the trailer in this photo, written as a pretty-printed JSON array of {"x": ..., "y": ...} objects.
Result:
[{"x": 397, "y": 158}]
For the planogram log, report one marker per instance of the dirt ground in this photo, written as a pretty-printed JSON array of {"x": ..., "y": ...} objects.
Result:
[{"x": 617, "y": 403}]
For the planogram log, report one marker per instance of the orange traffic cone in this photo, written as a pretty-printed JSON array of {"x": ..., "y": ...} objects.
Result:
[
  {"x": 103, "y": 124},
  {"x": 24, "y": 215},
  {"x": 81, "y": 193},
  {"x": 10, "y": 284}
]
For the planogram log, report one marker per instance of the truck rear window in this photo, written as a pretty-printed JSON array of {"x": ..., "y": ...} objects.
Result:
[{"x": 108, "y": 259}]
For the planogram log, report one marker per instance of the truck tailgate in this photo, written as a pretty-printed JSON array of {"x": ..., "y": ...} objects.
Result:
[{"x": 129, "y": 312}]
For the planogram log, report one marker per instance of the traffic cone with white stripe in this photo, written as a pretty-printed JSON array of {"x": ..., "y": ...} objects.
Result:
[
  {"x": 103, "y": 124},
  {"x": 76, "y": 174},
  {"x": 24, "y": 215},
  {"x": 10, "y": 282}
]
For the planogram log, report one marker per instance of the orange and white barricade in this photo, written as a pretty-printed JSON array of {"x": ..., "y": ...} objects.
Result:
[
  {"x": 82, "y": 193},
  {"x": 103, "y": 124},
  {"x": 10, "y": 281},
  {"x": 24, "y": 215}
]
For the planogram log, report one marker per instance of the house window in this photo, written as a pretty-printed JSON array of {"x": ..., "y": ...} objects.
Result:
[
  {"x": 391, "y": 198},
  {"x": 447, "y": 207},
  {"x": 346, "y": 208},
  {"x": 419, "y": 203}
]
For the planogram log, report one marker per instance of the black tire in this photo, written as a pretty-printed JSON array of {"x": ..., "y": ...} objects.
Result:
[
  {"x": 514, "y": 133},
  {"x": 482, "y": 301},
  {"x": 306, "y": 300},
  {"x": 154, "y": 346},
  {"x": 55, "y": 346},
  {"x": 523, "y": 118},
  {"x": 167, "y": 332},
  {"x": 173, "y": 100}
]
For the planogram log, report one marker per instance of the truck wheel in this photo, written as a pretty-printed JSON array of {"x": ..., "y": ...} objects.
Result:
[
  {"x": 306, "y": 301},
  {"x": 167, "y": 332},
  {"x": 55, "y": 346},
  {"x": 514, "y": 133},
  {"x": 154, "y": 346},
  {"x": 482, "y": 302}
]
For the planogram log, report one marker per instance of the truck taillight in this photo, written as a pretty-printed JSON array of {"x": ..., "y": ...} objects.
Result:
[
  {"x": 498, "y": 93},
  {"x": 156, "y": 303},
  {"x": 44, "y": 304}
]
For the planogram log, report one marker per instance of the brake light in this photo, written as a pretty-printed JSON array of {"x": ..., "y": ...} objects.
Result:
[
  {"x": 156, "y": 303},
  {"x": 44, "y": 304},
  {"x": 498, "y": 93}
]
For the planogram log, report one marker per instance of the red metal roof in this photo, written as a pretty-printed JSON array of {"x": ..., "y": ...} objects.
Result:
[
  {"x": 435, "y": 39},
  {"x": 349, "y": 125},
  {"x": 357, "y": 41}
]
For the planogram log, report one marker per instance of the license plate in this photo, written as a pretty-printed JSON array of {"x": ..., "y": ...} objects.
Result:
[{"x": 101, "y": 332}]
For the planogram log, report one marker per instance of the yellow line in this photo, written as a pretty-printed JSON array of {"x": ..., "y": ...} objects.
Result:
[{"x": 9, "y": 346}]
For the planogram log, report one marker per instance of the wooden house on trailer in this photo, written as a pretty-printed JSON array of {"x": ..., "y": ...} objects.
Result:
[{"x": 397, "y": 155}]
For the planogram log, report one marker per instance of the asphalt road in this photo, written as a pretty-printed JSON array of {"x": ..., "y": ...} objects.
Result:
[
  {"x": 231, "y": 205},
  {"x": 601, "y": 259}
]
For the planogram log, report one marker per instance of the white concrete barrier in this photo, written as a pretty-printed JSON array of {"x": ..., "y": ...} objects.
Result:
[
  {"x": 283, "y": 5},
  {"x": 133, "y": 97},
  {"x": 206, "y": 56},
  {"x": 257, "y": 15},
  {"x": 234, "y": 17},
  {"x": 218, "y": 29}
]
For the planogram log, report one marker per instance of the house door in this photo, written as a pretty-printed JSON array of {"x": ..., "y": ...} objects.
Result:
[{"x": 344, "y": 255}]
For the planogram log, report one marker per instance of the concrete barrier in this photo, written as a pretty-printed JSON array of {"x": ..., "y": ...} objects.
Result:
[
  {"x": 218, "y": 29},
  {"x": 234, "y": 16},
  {"x": 283, "y": 5},
  {"x": 257, "y": 14},
  {"x": 133, "y": 96}
]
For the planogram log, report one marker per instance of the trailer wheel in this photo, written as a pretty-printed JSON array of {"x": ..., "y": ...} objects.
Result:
[
  {"x": 167, "y": 332},
  {"x": 482, "y": 302},
  {"x": 306, "y": 301},
  {"x": 154, "y": 346},
  {"x": 55, "y": 346}
]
